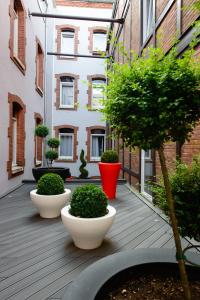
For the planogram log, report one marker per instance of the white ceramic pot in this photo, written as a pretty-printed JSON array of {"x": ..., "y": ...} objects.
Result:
[
  {"x": 87, "y": 233},
  {"x": 49, "y": 206}
]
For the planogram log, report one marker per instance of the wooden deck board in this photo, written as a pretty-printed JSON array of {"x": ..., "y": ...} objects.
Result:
[{"x": 37, "y": 257}]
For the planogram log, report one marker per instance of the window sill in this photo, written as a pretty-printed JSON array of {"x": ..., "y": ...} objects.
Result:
[
  {"x": 19, "y": 64},
  {"x": 67, "y": 160},
  {"x": 60, "y": 57},
  {"x": 17, "y": 169},
  {"x": 67, "y": 108},
  {"x": 99, "y": 53},
  {"x": 95, "y": 160},
  {"x": 38, "y": 163},
  {"x": 39, "y": 90}
]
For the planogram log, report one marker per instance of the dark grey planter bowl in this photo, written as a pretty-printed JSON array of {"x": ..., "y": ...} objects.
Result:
[
  {"x": 39, "y": 172},
  {"x": 99, "y": 278}
]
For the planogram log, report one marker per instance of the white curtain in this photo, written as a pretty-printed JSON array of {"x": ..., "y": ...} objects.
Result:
[
  {"x": 66, "y": 147},
  {"x": 97, "y": 146},
  {"x": 99, "y": 41},
  {"x": 67, "y": 94},
  {"x": 67, "y": 42}
]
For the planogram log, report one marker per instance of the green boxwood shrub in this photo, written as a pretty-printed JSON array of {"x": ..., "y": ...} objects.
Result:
[
  {"x": 83, "y": 171},
  {"x": 41, "y": 130},
  {"x": 53, "y": 143},
  {"x": 50, "y": 184},
  {"x": 51, "y": 155},
  {"x": 88, "y": 201},
  {"x": 185, "y": 183},
  {"x": 109, "y": 156}
]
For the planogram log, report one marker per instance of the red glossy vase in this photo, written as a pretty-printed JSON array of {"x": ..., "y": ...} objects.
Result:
[{"x": 109, "y": 175}]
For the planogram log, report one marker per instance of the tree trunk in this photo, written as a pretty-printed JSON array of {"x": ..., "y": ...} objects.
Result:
[{"x": 179, "y": 251}]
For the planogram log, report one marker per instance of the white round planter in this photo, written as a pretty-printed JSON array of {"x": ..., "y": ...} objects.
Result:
[
  {"x": 87, "y": 233},
  {"x": 49, "y": 206}
]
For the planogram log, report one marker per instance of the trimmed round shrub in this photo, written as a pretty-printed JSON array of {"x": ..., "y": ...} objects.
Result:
[
  {"x": 41, "y": 130},
  {"x": 51, "y": 155},
  {"x": 185, "y": 182},
  {"x": 53, "y": 143},
  {"x": 88, "y": 201},
  {"x": 110, "y": 156},
  {"x": 50, "y": 184}
]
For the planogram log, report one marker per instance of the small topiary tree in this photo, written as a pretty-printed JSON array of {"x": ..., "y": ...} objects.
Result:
[
  {"x": 154, "y": 100},
  {"x": 52, "y": 154},
  {"x": 109, "y": 156},
  {"x": 42, "y": 131},
  {"x": 83, "y": 171},
  {"x": 88, "y": 201},
  {"x": 50, "y": 184}
]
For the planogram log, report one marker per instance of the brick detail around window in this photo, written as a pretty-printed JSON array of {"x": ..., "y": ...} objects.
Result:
[
  {"x": 39, "y": 61},
  {"x": 89, "y": 91},
  {"x": 75, "y": 156},
  {"x": 57, "y": 90},
  {"x": 20, "y": 61},
  {"x": 59, "y": 29},
  {"x": 38, "y": 145},
  {"x": 88, "y": 142},
  {"x": 15, "y": 101},
  {"x": 92, "y": 30},
  {"x": 89, "y": 4}
]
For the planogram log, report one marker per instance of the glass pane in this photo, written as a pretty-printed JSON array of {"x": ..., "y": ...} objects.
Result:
[
  {"x": 97, "y": 146},
  {"x": 66, "y": 146},
  {"x": 67, "y": 43},
  {"x": 99, "y": 41},
  {"x": 67, "y": 94},
  {"x": 97, "y": 92}
]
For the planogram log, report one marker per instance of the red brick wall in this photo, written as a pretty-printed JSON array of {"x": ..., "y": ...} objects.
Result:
[
  {"x": 189, "y": 14},
  {"x": 76, "y": 3},
  {"x": 160, "y": 5}
]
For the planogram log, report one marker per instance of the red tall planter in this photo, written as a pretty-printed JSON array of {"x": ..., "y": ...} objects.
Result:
[{"x": 109, "y": 174}]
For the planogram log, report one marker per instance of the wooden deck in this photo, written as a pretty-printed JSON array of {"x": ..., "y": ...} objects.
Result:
[{"x": 37, "y": 257}]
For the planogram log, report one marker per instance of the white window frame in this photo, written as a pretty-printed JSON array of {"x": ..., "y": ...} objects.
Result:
[
  {"x": 66, "y": 84},
  {"x": 14, "y": 142},
  {"x": 96, "y": 158},
  {"x": 96, "y": 100},
  {"x": 67, "y": 134},
  {"x": 96, "y": 33},
  {"x": 63, "y": 33},
  {"x": 16, "y": 35},
  {"x": 147, "y": 17}
]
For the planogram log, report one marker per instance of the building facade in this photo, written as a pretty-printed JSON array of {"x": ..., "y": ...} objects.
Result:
[
  {"x": 21, "y": 89},
  {"x": 78, "y": 84},
  {"x": 153, "y": 23}
]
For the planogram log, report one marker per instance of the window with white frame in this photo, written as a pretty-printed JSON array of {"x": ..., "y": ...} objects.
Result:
[
  {"x": 98, "y": 87},
  {"x": 16, "y": 31},
  {"x": 66, "y": 92},
  {"x": 147, "y": 18},
  {"x": 66, "y": 136},
  {"x": 99, "y": 41},
  {"x": 97, "y": 143},
  {"x": 14, "y": 141},
  {"x": 67, "y": 41}
]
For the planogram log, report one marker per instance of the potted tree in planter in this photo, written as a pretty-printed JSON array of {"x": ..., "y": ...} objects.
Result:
[
  {"x": 50, "y": 155},
  {"x": 88, "y": 217},
  {"x": 50, "y": 195},
  {"x": 83, "y": 171},
  {"x": 151, "y": 101},
  {"x": 109, "y": 168}
]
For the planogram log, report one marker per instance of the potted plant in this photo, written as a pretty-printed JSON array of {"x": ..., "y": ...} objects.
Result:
[
  {"x": 109, "y": 168},
  {"x": 50, "y": 195},
  {"x": 152, "y": 100},
  {"x": 83, "y": 171},
  {"x": 88, "y": 217},
  {"x": 50, "y": 155}
]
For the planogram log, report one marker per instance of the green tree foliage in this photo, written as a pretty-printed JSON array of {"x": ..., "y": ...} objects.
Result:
[
  {"x": 83, "y": 171},
  {"x": 185, "y": 183},
  {"x": 109, "y": 156},
  {"x": 50, "y": 184},
  {"x": 41, "y": 130},
  {"x": 88, "y": 201}
]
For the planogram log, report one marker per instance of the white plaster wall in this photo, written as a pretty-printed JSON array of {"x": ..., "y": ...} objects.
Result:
[
  {"x": 82, "y": 67},
  {"x": 13, "y": 81}
]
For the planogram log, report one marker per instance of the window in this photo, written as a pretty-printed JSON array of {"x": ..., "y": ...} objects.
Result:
[
  {"x": 39, "y": 67},
  {"x": 16, "y": 130},
  {"x": 99, "y": 41},
  {"x": 67, "y": 41},
  {"x": 17, "y": 34},
  {"x": 66, "y": 136},
  {"x": 67, "y": 92},
  {"x": 97, "y": 143},
  {"x": 98, "y": 86},
  {"x": 38, "y": 142},
  {"x": 147, "y": 11}
]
